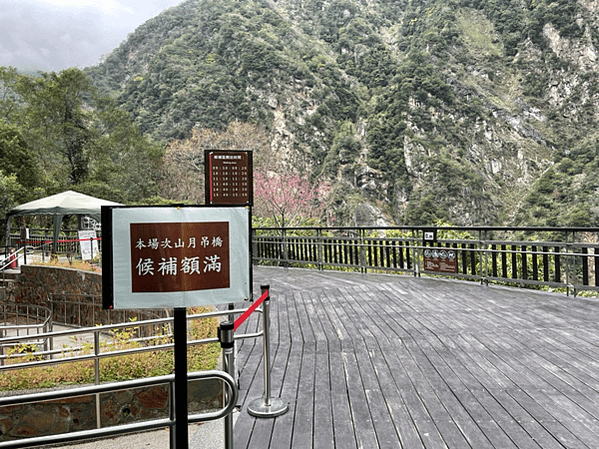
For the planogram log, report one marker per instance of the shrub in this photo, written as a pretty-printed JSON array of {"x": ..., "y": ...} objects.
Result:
[{"x": 118, "y": 368}]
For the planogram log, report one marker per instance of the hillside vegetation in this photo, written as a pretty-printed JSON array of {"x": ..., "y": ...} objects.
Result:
[
  {"x": 467, "y": 111},
  {"x": 57, "y": 133}
]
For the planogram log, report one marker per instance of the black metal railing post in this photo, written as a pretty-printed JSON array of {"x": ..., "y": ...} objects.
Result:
[
  {"x": 285, "y": 244},
  {"x": 415, "y": 254},
  {"x": 320, "y": 249},
  {"x": 484, "y": 248}
]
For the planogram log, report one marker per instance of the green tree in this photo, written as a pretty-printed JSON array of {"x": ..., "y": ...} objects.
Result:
[
  {"x": 11, "y": 193},
  {"x": 16, "y": 158},
  {"x": 57, "y": 123},
  {"x": 9, "y": 97},
  {"x": 122, "y": 159},
  {"x": 57, "y": 132}
]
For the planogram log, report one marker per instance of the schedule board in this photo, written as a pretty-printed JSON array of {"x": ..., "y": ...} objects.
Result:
[
  {"x": 168, "y": 257},
  {"x": 228, "y": 177}
]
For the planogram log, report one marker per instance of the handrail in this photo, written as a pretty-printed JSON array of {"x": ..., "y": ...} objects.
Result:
[
  {"x": 552, "y": 257},
  {"x": 32, "y": 312},
  {"x": 232, "y": 397},
  {"x": 429, "y": 227},
  {"x": 35, "y": 316},
  {"x": 9, "y": 259},
  {"x": 96, "y": 355}
]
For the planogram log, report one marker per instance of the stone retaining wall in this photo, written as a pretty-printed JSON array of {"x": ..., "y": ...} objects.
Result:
[
  {"x": 35, "y": 282},
  {"x": 121, "y": 407},
  {"x": 74, "y": 296}
]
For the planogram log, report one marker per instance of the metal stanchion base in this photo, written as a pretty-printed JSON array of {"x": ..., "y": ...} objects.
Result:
[{"x": 259, "y": 409}]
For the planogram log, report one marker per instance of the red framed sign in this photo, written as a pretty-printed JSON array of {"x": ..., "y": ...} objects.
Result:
[
  {"x": 440, "y": 260},
  {"x": 167, "y": 257},
  {"x": 228, "y": 177}
]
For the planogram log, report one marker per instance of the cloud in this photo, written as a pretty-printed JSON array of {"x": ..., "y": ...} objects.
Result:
[
  {"x": 44, "y": 38},
  {"x": 51, "y": 35},
  {"x": 108, "y": 7}
]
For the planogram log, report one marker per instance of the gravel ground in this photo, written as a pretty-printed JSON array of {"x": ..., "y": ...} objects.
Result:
[{"x": 208, "y": 435}]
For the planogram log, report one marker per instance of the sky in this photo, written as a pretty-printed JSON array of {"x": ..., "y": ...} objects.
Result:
[{"x": 52, "y": 35}]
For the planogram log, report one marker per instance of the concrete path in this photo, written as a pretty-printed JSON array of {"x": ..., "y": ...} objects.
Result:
[{"x": 208, "y": 435}]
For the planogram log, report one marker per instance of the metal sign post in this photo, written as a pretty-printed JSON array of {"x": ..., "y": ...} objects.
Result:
[
  {"x": 180, "y": 393},
  {"x": 437, "y": 259},
  {"x": 229, "y": 180}
]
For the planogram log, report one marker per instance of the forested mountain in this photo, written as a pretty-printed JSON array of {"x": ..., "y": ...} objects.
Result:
[{"x": 470, "y": 111}]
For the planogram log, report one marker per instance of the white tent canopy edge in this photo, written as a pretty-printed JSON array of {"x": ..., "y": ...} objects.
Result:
[{"x": 59, "y": 205}]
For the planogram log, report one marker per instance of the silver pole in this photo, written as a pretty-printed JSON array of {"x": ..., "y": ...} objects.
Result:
[
  {"x": 227, "y": 343},
  {"x": 266, "y": 351},
  {"x": 172, "y": 438},
  {"x": 97, "y": 378},
  {"x": 266, "y": 407}
]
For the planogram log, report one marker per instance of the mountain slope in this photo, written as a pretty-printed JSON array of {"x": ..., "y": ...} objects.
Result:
[{"x": 460, "y": 110}]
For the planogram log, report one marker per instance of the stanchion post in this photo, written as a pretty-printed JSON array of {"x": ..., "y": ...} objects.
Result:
[
  {"x": 227, "y": 343},
  {"x": 267, "y": 407}
]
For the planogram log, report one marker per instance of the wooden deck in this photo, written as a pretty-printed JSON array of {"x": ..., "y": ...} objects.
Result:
[{"x": 382, "y": 361}]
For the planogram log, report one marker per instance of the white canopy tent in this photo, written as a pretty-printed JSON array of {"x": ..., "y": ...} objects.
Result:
[{"x": 59, "y": 205}]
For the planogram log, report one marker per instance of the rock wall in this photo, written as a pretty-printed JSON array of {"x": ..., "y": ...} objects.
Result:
[
  {"x": 121, "y": 407},
  {"x": 74, "y": 296},
  {"x": 37, "y": 281}
]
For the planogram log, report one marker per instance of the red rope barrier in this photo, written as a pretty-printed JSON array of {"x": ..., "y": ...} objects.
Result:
[{"x": 239, "y": 321}]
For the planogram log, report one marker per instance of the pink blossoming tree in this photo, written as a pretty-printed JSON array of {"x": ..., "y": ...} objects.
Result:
[{"x": 290, "y": 199}]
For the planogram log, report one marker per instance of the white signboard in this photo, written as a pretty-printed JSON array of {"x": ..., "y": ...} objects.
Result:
[
  {"x": 167, "y": 257},
  {"x": 88, "y": 244}
]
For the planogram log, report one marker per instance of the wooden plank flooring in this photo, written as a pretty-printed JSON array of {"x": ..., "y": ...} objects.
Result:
[{"x": 383, "y": 361}]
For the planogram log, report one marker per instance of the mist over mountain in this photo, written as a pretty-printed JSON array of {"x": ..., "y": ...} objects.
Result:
[
  {"x": 58, "y": 34},
  {"x": 473, "y": 112}
]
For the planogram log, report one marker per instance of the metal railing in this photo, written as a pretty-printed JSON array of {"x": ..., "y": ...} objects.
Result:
[
  {"x": 94, "y": 352},
  {"x": 42, "y": 239},
  {"x": 85, "y": 310},
  {"x": 86, "y": 353},
  {"x": 96, "y": 390},
  {"x": 27, "y": 321},
  {"x": 561, "y": 258},
  {"x": 40, "y": 244},
  {"x": 20, "y": 256}
]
